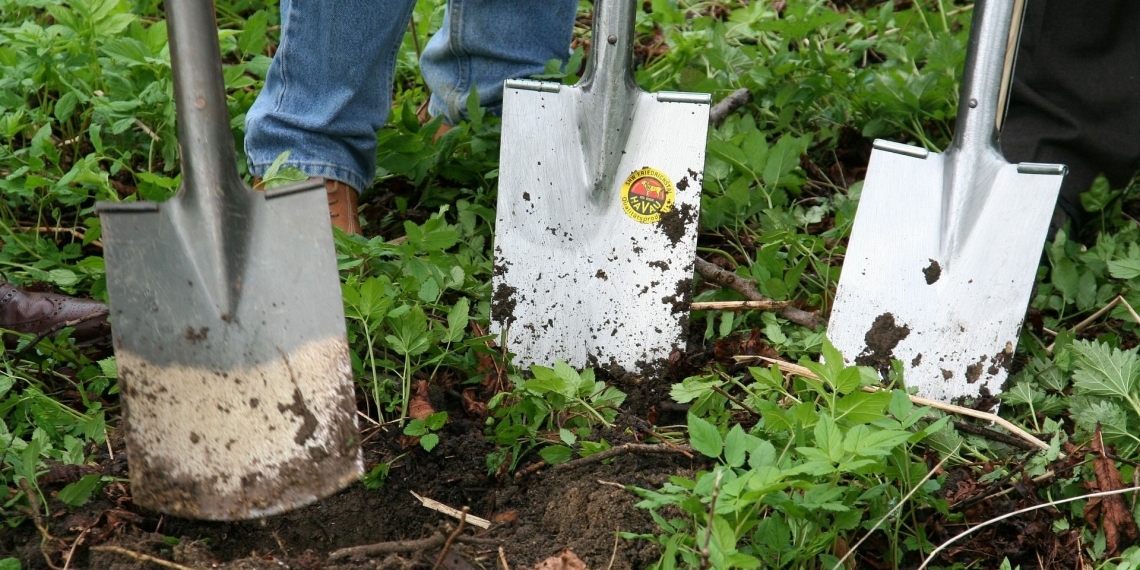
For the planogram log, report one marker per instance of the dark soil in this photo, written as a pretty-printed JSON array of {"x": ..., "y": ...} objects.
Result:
[{"x": 536, "y": 512}]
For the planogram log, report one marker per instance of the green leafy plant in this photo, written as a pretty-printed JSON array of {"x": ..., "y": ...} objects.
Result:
[
  {"x": 559, "y": 406},
  {"x": 425, "y": 429},
  {"x": 824, "y": 459}
]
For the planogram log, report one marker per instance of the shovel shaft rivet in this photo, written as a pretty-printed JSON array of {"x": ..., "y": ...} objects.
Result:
[
  {"x": 200, "y": 103},
  {"x": 612, "y": 39},
  {"x": 973, "y": 103}
]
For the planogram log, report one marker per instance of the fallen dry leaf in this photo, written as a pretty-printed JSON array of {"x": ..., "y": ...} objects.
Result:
[
  {"x": 1111, "y": 510},
  {"x": 565, "y": 560},
  {"x": 471, "y": 404},
  {"x": 420, "y": 407}
]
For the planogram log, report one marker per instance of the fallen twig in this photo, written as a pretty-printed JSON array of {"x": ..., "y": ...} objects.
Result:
[
  {"x": 723, "y": 108},
  {"x": 38, "y": 520},
  {"x": 736, "y": 401},
  {"x": 399, "y": 546},
  {"x": 451, "y": 539},
  {"x": 141, "y": 556},
  {"x": 748, "y": 289},
  {"x": 951, "y": 408},
  {"x": 142, "y": 126},
  {"x": 503, "y": 559},
  {"x": 74, "y": 545},
  {"x": 452, "y": 512},
  {"x": 393, "y": 547},
  {"x": 56, "y": 230},
  {"x": 994, "y": 435},
  {"x": 767, "y": 305},
  {"x": 613, "y": 554},
  {"x": 622, "y": 450},
  {"x": 665, "y": 441},
  {"x": 1091, "y": 319}
]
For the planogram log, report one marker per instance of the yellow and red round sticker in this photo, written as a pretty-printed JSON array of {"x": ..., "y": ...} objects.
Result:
[{"x": 646, "y": 194}]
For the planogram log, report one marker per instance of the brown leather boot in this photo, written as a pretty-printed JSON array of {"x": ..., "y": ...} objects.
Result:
[
  {"x": 342, "y": 206},
  {"x": 44, "y": 313},
  {"x": 443, "y": 128}
]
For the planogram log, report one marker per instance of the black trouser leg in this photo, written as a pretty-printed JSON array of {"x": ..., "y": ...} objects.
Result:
[{"x": 1076, "y": 93}]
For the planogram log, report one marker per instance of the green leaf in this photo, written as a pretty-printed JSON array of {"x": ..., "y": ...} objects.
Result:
[
  {"x": 429, "y": 291},
  {"x": 868, "y": 442},
  {"x": 556, "y": 454},
  {"x": 411, "y": 336},
  {"x": 692, "y": 388},
  {"x": 1107, "y": 415},
  {"x": 10, "y": 564},
  {"x": 573, "y": 379},
  {"x": 1104, "y": 371},
  {"x": 829, "y": 438},
  {"x": 567, "y": 436},
  {"x": 1023, "y": 394},
  {"x": 457, "y": 319},
  {"x": 416, "y": 428},
  {"x": 763, "y": 456},
  {"x": 66, "y": 105},
  {"x": 704, "y": 437},
  {"x": 735, "y": 446},
  {"x": 77, "y": 494},
  {"x": 429, "y": 441},
  {"x": 783, "y": 159},
  {"x": 900, "y": 405},
  {"x": 1124, "y": 268},
  {"x": 1066, "y": 278},
  {"x": 848, "y": 380},
  {"x": 545, "y": 381},
  {"x": 252, "y": 39},
  {"x": 862, "y": 407},
  {"x": 436, "y": 420}
]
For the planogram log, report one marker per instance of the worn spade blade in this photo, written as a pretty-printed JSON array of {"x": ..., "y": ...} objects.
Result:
[
  {"x": 228, "y": 323},
  {"x": 599, "y": 199},
  {"x": 944, "y": 247}
]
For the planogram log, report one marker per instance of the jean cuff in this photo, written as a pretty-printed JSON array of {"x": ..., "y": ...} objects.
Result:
[{"x": 316, "y": 170}]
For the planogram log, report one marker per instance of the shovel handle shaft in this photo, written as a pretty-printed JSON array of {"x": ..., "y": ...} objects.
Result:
[
  {"x": 611, "y": 50},
  {"x": 207, "y": 144},
  {"x": 609, "y": 95},
  {"x": 984, "y": 82}
]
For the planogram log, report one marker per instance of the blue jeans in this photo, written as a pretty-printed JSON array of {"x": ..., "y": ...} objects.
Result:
[{"x": 329, "y": 88}]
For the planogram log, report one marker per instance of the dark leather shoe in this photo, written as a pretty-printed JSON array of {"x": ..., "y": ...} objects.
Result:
[{"x": 45, "y": 313}]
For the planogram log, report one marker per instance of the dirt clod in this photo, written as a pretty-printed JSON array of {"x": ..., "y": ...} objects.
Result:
[
  {"x": 503, "y": 304},
  {"x": 881, "y": 340},
  {"x": 932, "y": 272},
  {"x": 676, "y": 223}
]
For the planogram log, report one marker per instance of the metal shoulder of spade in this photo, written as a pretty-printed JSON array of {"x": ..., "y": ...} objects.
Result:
[
  {"x": 944, "y": 247},
  {"x": 228, "y": 321},
  {"x": 599, "y": 200}
]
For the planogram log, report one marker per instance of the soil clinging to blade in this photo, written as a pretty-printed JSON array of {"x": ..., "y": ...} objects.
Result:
[
  {"x": 932, "y": 272},
  {"x": 881, "y": 340}
]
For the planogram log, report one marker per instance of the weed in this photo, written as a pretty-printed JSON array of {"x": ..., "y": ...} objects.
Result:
[{"x": 559, "y": 407}]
